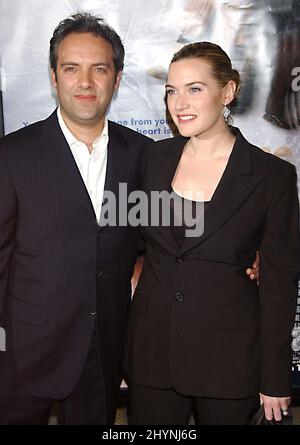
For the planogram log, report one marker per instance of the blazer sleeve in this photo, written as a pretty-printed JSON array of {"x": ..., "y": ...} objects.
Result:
[
  {"x": 278, "y": 288},
  {"x": 8, "y": 210}
]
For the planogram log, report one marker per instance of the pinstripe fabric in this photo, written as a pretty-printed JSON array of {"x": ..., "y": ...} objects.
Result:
[{"x": 53, "y": 247}]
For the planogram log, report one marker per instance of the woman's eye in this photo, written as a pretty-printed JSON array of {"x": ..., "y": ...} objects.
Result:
[
  {"x": 195, "y": 89},
  {"x": 170, "y": 92}
]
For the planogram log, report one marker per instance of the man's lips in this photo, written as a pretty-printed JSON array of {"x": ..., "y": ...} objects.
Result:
[{"x": 85, "y": 98}]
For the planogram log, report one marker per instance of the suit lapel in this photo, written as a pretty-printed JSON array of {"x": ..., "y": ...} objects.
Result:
[
  {"x": 168, "y": 163},
  {"x": 237, "y": 183},
  {"x": 61, "y": 163},
  {"x": 118, "y": 161}
]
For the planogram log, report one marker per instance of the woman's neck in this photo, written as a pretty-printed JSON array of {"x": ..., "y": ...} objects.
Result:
[{"x": 211, "y": 146}]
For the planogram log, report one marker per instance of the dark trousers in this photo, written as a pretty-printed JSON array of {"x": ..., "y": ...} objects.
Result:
[
  {"x": 150, "y": 406},
  {"x": 84, "y": 406}
]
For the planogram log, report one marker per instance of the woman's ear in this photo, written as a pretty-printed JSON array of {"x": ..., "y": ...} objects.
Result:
[{"x": 229, "y": 92}]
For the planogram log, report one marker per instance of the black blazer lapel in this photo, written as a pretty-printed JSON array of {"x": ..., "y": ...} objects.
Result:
[
  {"x": 160, "y": 182},
  {"x": 61, "y": 162},
  {"x": 170, "y": 158},
  {"x": 236, "y": 185}
]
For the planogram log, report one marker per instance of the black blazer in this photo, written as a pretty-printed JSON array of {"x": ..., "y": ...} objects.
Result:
[
  {"x": 58, "y": 267},
  {"x": 197, "y": 322}
]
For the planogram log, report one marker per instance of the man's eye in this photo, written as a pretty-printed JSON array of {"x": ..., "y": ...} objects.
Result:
[{"x": 70, "y": 69}]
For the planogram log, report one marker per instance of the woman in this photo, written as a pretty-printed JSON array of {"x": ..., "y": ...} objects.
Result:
[{"x": 203, "y": 337}]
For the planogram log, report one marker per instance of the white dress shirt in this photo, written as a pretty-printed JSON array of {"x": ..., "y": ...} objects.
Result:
[{"x": 92, "y": 166}]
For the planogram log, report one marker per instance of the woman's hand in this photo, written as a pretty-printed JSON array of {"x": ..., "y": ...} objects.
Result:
[
  {"x": 253, "y": 272},
  {"x": 275, "y": 407}
]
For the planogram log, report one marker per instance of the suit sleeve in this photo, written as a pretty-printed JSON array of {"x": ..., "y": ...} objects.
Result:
[
  {"x": 144, "y": 166},
  {"x": 8, "y": 208},
  {"x": 279, "y": 270}
]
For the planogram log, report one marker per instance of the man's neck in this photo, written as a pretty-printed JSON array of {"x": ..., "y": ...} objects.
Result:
[{"x": 84, "y": 133}]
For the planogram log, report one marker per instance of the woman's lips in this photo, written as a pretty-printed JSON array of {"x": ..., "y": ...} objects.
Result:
[{"x": 183, "y": 118}]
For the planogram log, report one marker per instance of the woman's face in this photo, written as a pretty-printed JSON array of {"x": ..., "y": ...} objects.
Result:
[{"x": 195, "y": 99}]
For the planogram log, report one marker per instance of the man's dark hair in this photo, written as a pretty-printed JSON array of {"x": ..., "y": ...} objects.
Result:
[{"x": 83, "y": 22}]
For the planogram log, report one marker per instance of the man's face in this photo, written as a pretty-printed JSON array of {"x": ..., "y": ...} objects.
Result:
[{"x": 85, "y": 79}]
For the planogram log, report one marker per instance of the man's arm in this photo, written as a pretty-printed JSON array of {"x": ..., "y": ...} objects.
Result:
[{"x": 8, "y": 209}]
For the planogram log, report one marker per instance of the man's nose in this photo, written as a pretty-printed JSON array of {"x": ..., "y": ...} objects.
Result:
[{"x": 86, "y": 79}]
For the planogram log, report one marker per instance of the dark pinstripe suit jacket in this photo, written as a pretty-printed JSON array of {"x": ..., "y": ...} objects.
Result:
[{"x": 50, "y": 251}]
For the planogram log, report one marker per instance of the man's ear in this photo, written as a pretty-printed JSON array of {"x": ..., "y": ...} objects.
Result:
[
  {"x": 53, "y": 79},
  {"x": 118, "y": 80},
  {"x": 229, "y": 92}
]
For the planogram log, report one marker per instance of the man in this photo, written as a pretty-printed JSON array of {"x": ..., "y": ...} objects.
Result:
[{"x": 64, "y": 278}]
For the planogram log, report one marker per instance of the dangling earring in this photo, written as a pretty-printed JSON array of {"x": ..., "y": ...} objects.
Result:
[{"x": 226, "y": 113}]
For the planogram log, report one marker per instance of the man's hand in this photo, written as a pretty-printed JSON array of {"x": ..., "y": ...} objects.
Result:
[
  {"x": 253, "y": 272},
  {"x": 275, "y": 407},
  {"x": 136, "y": 273}
]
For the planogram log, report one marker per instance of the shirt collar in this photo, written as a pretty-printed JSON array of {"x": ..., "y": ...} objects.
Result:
[{"x": 71, "y": 139}]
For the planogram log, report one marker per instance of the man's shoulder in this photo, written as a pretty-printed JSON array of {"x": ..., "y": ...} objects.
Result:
[
  {"x": 24, "y": 136},
  {"x": 129, "y": 135}
]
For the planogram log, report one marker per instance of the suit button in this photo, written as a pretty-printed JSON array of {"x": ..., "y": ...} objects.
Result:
[
  {"x": 179, "y": 296},
  {"x": 93, "y": 313},
  {"x": 99, "y": 233},
  {"x": 99, "y": 273},
  {"x": 179, "y": 259}
]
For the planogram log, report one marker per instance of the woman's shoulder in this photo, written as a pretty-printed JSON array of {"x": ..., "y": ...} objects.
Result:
[
  {"x": 266, "y": 162},
  {"x": 270, "y": 163}
]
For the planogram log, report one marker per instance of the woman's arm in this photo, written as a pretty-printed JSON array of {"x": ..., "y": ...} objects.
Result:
[{"x": 279, "y": 270}]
